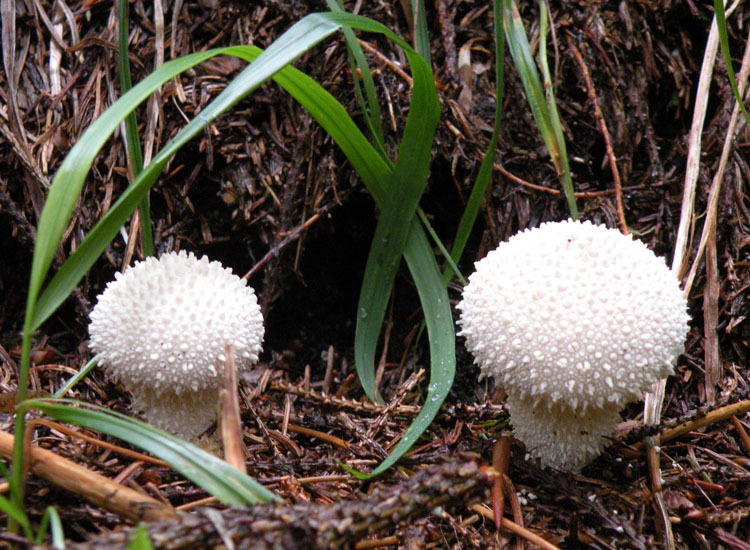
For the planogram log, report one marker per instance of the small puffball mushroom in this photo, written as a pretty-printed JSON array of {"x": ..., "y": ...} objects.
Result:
[
  {"x": 161, "y": 329},
  {"x": 574, "y": 320}
]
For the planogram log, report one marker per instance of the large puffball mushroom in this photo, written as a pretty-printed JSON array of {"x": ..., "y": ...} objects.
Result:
[
  {"x": 161, "y": 329},
  {"x": 574, "y": 320}
]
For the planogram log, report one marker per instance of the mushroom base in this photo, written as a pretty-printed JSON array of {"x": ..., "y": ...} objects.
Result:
[
  {"x": 559, "y": 436},
  {"x": 186, "y": 415}
]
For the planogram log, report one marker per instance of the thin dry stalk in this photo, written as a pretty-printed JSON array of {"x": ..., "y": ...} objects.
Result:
[
  {"x": 742, "y": 433},
  {"x": 320, "y": 435},
  {"x": 654, "y": 400},
  {"x": 712, "y": 359},
  {"x": 718, "y": 415},
  {"x": 708, "y": 243}
]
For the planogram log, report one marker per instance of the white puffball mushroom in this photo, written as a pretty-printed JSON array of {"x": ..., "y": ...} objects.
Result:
[
  {"x": 161, "y": 329},
  {"x": 574, "y": 320}
]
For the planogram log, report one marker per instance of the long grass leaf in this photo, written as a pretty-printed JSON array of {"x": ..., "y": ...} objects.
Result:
[
  {"x": 554, "y": 115},
  {"x": 418, "y": 253},
  {"x": 132, "y": 141},
  {"x": 406, "y": 186},
  {"x": 441, "y": 335},
  {"x": 421, "y": 33},
  {"x": 225, "y": 482}
]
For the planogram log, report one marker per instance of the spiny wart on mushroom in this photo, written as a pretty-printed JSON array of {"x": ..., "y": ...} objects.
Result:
[
  {"x": 161, "y": 329},
  {"x": 574, "y": 320}
]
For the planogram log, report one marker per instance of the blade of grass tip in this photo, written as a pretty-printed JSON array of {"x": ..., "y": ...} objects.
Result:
[
  {"x": 721, "y": 22},
  {"x": 421, "y": 33},
  {"x": 554, "y": 115},
  {"x": 133, "y": 144},
  {"x": 221, "y": 480},
  {"x": 51, "y": 520},
  {"x": 357, "y": 61},
  {"x": 59, "y": 394},
  {"x": 484, "y": 177},
  {"x": 406, "y": 187}
]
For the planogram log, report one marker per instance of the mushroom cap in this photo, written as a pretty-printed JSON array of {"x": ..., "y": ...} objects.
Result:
[
  {"x": 161, "y": 329},
  {"x": 574, "y": 316}
]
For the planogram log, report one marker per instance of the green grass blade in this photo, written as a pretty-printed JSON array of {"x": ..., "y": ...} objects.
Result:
[
  {"x": 406, "y": 187},
  {"x": 421, "y": 33},
  {"x": 442, "y": 339},
  {"x": 375, "y": 174},
  {"x": 484, "y": 177},
  {"x": 554, "y": 115},
  {"x": 545, "y": 113},
  {"x": 17, "y": 514},
  {"x": 452, "y": 267},
  {"x": 221, "y": 480},
  {"x": 721, "y": 23},
  {"x": 51, "y": 520},
  {"x": 59, "y": 394},
  {"x": 135, "y": 156}
]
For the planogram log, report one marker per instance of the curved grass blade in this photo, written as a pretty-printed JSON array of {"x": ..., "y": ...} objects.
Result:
[
  {"x": 406, "y": 186},
  {"x": 437, "y": 313},
  {"x": 59, "y": 394},
  {"x": 221, "y": 480},
  {"x": 544, "y": 111}
]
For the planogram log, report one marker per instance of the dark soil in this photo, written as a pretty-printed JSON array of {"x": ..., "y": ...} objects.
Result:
[{"x": 242, "y": 192}]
